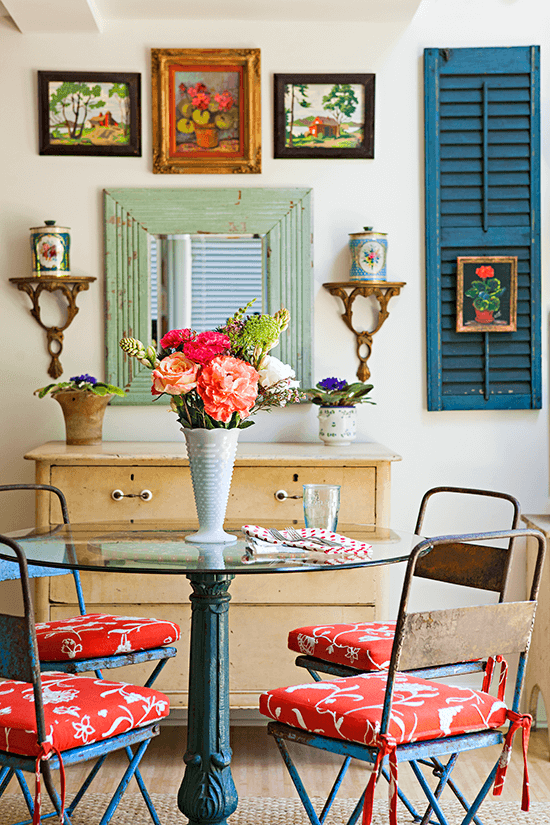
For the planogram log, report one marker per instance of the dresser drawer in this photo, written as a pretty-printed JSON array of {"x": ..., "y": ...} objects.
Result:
[
  {"x": 252, "y": 493},
  {"x": 251, "y": 499},
  {"x": 89, "y": 493}
]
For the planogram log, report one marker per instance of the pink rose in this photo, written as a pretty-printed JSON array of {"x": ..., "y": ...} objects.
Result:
[
  {"x": 485, "y": 272},
  {"x": 175, "y": 374},
  {"x": 206, "y": 346},
  {"x": 227, "y": 385},
  {"x": 175, "y": 337}
]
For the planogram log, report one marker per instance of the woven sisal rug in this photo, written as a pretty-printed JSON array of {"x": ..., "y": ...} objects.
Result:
[{"x": 266, "y": 811}]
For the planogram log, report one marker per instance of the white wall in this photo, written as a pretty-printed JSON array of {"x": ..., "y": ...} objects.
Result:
[{"x": 506, "y": 450}]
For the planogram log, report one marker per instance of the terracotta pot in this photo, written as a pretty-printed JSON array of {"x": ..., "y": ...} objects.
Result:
[
  {"x": 207, "y": 136},
  {"x": 83, "y": 413},
  {"x": 484, "y": 316}
]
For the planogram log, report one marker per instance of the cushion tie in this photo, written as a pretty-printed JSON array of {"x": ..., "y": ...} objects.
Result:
[
  {"x": 501, "y": 679},
  {"x": 386, "y": 745},
  {"x": 46, "y": 751},
  {"x": 523, "y": 721}
]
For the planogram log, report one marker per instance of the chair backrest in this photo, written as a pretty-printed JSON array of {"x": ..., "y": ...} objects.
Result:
[
  {"x": 461, "y": 634},
  {"x": 19, "y": 658},
  {"x": 9, "y": 568},
  {"x": 472, "y": 565}
]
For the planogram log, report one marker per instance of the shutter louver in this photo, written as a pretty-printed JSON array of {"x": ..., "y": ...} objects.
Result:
[{"x": 482, "y": 199}]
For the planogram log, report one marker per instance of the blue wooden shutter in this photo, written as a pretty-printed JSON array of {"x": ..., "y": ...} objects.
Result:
[{"x": 482, "y": 198}]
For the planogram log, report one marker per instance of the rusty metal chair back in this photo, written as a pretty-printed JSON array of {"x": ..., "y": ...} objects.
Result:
[{"x": 471, "y": 565}]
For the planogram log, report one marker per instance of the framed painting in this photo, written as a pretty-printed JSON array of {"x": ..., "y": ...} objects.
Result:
[
  {"x": 206, "y": 111},
  {"x": 89, "y": 113},
  {"x": 324, "y": 116},
  {"x": 486, "y": 294}
]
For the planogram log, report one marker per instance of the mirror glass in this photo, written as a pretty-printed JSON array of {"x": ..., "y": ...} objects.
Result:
[
  {"x": 186, "y": 230},
  {"x": 199, "y": 281}
]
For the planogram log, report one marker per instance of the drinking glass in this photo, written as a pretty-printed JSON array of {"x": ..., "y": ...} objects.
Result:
[{"x": 321, "y": 505}]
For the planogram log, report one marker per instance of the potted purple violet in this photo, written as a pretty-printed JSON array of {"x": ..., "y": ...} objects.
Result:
[{"x": 337, "y": 414}]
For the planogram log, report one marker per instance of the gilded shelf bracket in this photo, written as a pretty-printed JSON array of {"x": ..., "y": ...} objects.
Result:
[
  {"x": 69, "y": 286},
  {"x": 348, "y": 292}
]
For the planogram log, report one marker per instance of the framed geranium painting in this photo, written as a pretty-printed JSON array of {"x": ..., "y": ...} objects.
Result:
[
  {"x": 206, "y": 111},
  {"x": 486, "y": 294},
  {"x": 89, "y": 113}
]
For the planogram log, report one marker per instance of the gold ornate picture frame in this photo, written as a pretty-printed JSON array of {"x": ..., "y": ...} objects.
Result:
[{"x": 206, "y": 111}]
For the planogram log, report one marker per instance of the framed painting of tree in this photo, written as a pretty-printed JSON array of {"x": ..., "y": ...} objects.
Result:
[
  {"x": 324, "y": 116},
  {"x": 89, "y": 113}
]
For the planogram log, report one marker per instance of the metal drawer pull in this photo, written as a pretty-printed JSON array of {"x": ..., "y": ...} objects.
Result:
[
  {"x": 145, "y": 495},
  {"x": 282, "y": 495}
]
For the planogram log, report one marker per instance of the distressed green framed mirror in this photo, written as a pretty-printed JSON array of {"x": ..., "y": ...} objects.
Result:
[{"x": 281, "y": 217}]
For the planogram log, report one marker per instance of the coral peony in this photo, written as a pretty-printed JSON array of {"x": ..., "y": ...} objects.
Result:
[
  {"x": 175, "y": 374},
  {"x": 227, "y": 385}
]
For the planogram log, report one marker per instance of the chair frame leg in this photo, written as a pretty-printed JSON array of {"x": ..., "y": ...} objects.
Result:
[{"x": 124, "y": 782}]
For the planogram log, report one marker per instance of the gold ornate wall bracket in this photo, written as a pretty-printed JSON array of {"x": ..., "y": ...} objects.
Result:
[
  {"x": 69, "y": 286},
  {"x": 348, "y": 291}
]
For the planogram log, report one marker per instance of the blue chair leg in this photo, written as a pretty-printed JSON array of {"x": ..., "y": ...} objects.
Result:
[
  {"x": 153, "y": 677},
  {"x": 5, "y": 778},
  {"x": 86, "y": 784},
  {"x": 123, "y": 784},
  {"x": 143, "y": 789}
]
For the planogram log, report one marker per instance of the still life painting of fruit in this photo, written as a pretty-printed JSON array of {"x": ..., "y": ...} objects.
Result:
[{"x": 208, "y": 111}]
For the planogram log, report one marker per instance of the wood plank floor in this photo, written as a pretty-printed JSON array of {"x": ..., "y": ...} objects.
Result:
[{"x": 258, "y": 769}]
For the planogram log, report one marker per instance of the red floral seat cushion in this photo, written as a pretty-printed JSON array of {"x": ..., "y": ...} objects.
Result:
[
  {"x": 351, "y": 708},
  {"x": 364, "y": 645},
  {"x": 77, "y": 711},
  {"x": 100, "y": 634}
]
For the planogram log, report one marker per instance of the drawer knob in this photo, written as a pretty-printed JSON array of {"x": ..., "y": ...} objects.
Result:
[
  {"x": 282, "y": 495},
  {"x": 145, "y": 495}
]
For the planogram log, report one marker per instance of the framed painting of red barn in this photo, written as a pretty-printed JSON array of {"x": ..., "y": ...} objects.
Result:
[
  {"x": 324, "y": 116},
  {"x": 89, "y": 113}
]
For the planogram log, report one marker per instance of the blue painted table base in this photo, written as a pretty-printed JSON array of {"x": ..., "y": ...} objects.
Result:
[{"x": 207, "y": 795}]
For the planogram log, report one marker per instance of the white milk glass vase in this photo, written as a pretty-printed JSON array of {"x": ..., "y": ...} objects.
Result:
[
  {"x": 211, "y": 456},
  {"x": 337, "y": 425}
]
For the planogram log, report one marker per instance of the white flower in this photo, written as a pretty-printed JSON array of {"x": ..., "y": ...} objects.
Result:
[{"x": 272, "y": 371}]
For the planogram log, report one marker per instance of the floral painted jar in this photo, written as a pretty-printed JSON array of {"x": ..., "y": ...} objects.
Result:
[
  {"x": 369, "y": 251},
  {"x": 50, "y": 250},
  {"x": 337, "y": 425}
]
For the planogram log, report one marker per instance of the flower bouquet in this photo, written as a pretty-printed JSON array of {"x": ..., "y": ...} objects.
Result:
[{"x": 216, "y": 380}]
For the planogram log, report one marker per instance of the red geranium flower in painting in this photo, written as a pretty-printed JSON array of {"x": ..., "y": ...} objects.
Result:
[
  {"x": 201, "y": 100},
  {"x": 485, "y": 272},
  {"x": 224, "y": 100},
  {"x": 227, "y": 385},
  {"x": 183, "y": 88},
  {"x": 206, "y": 346}
]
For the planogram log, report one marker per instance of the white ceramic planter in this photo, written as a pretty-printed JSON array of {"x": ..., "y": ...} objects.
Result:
[{"x": 337, "y": 425}]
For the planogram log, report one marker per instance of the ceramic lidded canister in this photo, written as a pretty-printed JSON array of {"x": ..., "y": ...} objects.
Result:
[
  {"x": 50, "y": 250},
  {"x": 369, "y": 251}
]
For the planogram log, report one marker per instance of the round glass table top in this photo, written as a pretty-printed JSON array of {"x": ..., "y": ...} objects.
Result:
[{"x": 160, "y": 547}]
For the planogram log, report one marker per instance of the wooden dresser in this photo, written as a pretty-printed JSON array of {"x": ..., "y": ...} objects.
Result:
[{"x": 263, "y": 608}]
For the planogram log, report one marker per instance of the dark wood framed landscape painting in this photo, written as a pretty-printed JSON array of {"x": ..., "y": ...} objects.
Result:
[
  {"x": 89, "y": 113},
  {"x": 486, "y": 294},
  {"x": 324, "y": 116}
]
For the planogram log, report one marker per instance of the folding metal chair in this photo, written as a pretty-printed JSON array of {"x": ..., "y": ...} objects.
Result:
[
  {"x": 93, "y": 642},
  {"x": 397, "y": 716},
  {"x": 48, "y": 721},
  {"x": 345, "y": 649}
]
